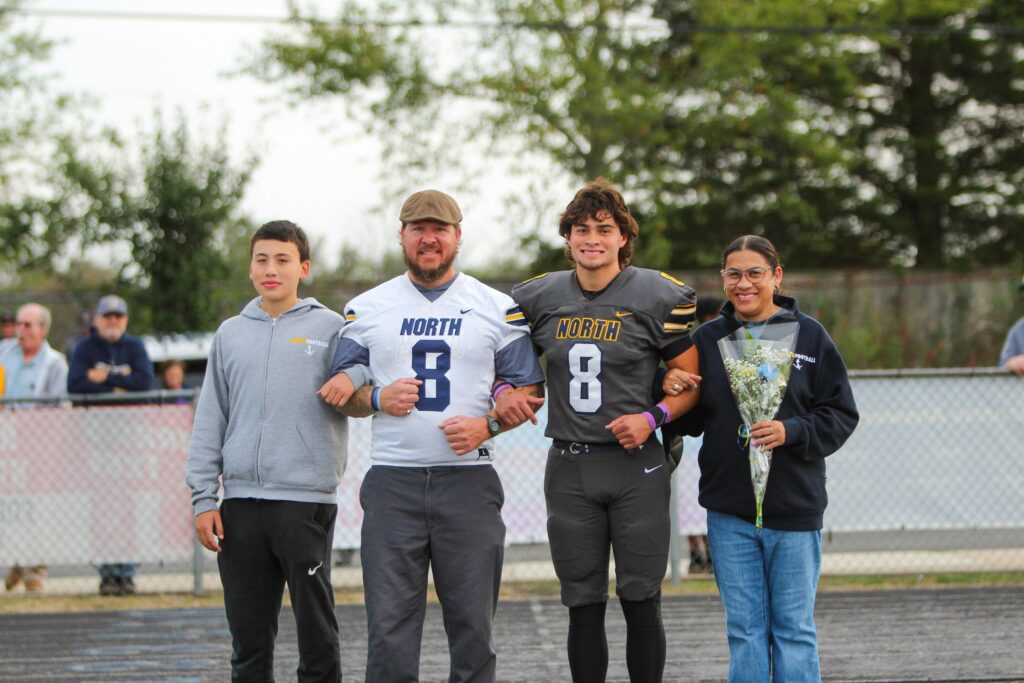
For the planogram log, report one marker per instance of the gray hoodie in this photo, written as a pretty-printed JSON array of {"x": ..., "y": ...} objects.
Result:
[{"x": 259, "y": 422}]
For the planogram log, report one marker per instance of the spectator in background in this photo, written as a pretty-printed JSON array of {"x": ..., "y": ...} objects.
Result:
[
  {"x": 172, "y": 377},
  {"x": 1012, "y": 357},
  {"x": 81, "y": 333},
  {"x": 31, "y": 368},
  {"x": 172, "y": 374},
  {"x": 8, "y": 330},
  {"x": 110, "y": 361}
]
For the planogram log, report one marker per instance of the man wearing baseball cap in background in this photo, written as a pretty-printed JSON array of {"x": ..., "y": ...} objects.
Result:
[
  {"x": 110, "y": 361},
  {"x": 432, "y": 341}
]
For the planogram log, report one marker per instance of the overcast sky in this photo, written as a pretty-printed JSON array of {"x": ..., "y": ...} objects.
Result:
[{"x": 316, "y": 168}]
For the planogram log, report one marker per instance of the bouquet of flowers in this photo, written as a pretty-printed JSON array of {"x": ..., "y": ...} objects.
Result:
[{"x": 758, "y": 369}]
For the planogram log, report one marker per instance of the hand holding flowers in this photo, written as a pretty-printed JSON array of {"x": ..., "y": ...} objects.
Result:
[
  {"x": 758, "y": 370},
  {"x": 768, "y": 434}
]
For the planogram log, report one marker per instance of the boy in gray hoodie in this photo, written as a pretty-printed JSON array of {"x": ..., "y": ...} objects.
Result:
[{"x": 280, "y": 451}]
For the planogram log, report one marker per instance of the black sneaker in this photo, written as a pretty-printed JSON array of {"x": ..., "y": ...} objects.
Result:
[
  {"x": 109, "y": 586},
  {"x": 699, "y": 563}
]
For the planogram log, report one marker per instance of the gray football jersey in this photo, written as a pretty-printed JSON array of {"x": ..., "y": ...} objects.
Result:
[{"x": 602, "y": 354}]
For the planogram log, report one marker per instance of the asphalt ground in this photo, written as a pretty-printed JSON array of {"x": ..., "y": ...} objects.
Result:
[{"x": 962, "y": 634}]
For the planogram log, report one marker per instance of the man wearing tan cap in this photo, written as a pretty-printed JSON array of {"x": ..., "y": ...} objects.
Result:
[{"x": 431, "y": 342}]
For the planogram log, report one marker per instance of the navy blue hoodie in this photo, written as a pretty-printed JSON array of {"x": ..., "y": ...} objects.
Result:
[
  {"x": 817, "y": 410},
  {"x": 131, "y": 369}
]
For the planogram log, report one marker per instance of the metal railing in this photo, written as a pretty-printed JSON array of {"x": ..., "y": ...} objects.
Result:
[{"x": 931, "y": 481}]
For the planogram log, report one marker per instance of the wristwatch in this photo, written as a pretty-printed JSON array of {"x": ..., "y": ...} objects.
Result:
[{"x": 493, "y": 425}]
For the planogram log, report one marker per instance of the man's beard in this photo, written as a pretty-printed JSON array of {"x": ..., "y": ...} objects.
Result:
[
  {"x": 430, "y": 275},
  {"x": 111, "y": 336}
]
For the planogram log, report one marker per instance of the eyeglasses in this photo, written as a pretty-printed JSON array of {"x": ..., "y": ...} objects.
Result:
[{"x": 732, "y": 276}]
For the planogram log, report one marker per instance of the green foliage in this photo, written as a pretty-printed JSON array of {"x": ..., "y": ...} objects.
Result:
[
  {"x": 29, "y": 119},
  {"x": 69, "y": 192},
  {"x": 912, "y": 320},
  {"x": 176, "y": 209},
  {"x": 890, "y": 127},
  {"x": 355, "y": 266}
]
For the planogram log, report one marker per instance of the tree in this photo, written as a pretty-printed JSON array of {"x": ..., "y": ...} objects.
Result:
[
  {"x": 948, "y": 106},
  {"x": 29, "y": 119},
  {"x": 176, "y": 208},
  {"x": 853, "y": 133}
]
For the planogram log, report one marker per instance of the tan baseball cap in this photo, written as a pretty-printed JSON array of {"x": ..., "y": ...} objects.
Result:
[{"x": 430, "y": 205}]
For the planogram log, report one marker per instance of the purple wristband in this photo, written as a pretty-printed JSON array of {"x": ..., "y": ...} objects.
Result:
[
  {"x": 500, "y": 388},
  {"x": 650, "y": 420},
  {"x": 664, "y": 409}
]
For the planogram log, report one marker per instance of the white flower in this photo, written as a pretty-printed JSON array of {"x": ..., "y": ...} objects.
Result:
[{"x": 758, "y": 372}]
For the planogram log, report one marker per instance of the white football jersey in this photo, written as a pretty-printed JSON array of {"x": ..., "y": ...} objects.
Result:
[{"x": 449, "y": 344}]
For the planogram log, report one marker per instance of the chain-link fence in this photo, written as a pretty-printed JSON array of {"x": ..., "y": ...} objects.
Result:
[
  {"x": 97, "y": 484},
  {"x": 930, "y": 482}
]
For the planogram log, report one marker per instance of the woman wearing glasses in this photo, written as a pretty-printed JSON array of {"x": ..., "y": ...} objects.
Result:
[{"x": 767, "y": 565}]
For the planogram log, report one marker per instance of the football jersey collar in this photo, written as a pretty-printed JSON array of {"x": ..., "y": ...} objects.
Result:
[
  {"x": 432, "y": 294},
  {"x": 617, "y": 282}
]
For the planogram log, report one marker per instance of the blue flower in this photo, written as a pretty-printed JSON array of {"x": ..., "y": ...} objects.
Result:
[{"x": 768, "y": 372}]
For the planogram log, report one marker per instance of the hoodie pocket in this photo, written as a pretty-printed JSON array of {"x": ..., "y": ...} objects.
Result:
[
  {"x": 239, "y": 454},
  {"x": 287, "y": 462}
]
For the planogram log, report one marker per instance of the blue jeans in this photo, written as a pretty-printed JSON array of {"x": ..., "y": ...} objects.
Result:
[{"x": 767, "y": 580}]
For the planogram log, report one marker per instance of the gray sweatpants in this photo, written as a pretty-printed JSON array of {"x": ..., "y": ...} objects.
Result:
[{"x": 448, "y": 518}]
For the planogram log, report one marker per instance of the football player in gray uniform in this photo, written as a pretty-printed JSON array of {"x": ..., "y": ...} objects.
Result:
[{"x": 605, "y": 327}]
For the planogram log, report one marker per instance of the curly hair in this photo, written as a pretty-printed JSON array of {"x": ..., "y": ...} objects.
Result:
[{"x": 596, "y": 198}]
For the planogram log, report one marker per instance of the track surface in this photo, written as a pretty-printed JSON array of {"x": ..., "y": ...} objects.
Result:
[{"x": 971, "y": 634}]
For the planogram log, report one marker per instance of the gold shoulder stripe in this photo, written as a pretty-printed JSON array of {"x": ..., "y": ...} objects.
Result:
[
  {"x": 351, "y": 317},
  {"x": 685, "y": 310},
  {"x": 676, "y": 327},
  {"x": 672, "y": 279},
  {"x": 535, "y": 277},
  {"x": 514, "y": 316}
]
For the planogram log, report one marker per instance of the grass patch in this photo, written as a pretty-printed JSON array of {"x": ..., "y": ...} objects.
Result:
[{"x": 907, "y": 581}]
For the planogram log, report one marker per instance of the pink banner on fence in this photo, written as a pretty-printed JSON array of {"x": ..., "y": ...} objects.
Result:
[{"x": 102, "y": 484}]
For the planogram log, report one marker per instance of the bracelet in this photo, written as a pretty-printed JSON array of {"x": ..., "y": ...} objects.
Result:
[
  {"x": 500, "y": 388},
  {"x": 664, "y": 409},
  {"x": 650, "y": 420},
  {"x": 375, "y": 399}
]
